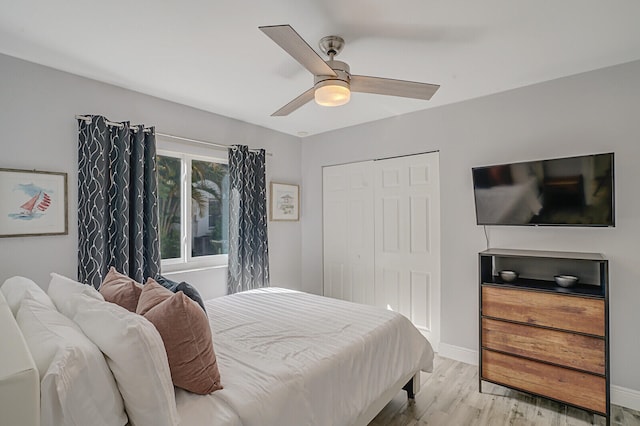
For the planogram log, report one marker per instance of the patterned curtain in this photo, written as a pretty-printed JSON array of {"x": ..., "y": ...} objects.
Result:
[
  {"x": 117, "y": 201},
  {"x": 248, "y": 245}
]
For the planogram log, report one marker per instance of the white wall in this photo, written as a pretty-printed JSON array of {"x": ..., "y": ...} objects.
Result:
[
  {"x": 588, "y": 113},
  {"x": 38, "y": 131},
  {"x": 210, "y": 282}
]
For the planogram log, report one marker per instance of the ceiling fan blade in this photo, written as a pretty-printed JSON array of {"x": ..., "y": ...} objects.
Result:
[
  {"x": 287, "y": 38},
  {"x": 295, "y": 104},
  {"x": 391, "y": 87}
]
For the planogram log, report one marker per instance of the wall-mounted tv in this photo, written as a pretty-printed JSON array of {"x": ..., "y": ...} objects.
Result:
[{"x": 573, "y": 191}]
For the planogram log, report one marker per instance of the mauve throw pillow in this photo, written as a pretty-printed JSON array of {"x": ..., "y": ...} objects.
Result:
[
  {"x": 152, "y": 294},
  {"x": 120, "y": 289},
  {"x": 186, "y": 334}
]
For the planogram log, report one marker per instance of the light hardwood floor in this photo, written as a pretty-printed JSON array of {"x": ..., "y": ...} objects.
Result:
[{"x": 449, "y": 397}]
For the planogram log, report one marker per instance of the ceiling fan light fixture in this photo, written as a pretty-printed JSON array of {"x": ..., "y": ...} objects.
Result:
[
  {"x": 332, "y": 79},
  {"x": 332, "y": 93}
]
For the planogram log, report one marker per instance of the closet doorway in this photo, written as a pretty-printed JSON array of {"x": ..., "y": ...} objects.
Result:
[{"x": 381, "y": 236}]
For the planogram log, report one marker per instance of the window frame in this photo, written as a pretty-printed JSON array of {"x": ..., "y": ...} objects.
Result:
[{"x": 186, "y": 261}]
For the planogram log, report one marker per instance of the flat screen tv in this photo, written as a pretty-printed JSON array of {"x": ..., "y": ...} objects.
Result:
[{"x": 573, "y": 191}]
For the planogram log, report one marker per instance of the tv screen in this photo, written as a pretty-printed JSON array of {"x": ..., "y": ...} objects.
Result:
[{"x": 573, "y": 191}]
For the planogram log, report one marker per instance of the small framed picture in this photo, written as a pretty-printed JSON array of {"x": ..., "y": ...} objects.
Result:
[
  {"x": 33, "y": 203},
  {"x": 285, "y": 201}
]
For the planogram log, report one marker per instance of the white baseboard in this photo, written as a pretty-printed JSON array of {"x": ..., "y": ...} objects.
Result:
[
  {"x": 624, "y": 397},
  {"x": 458, "y": 353}
]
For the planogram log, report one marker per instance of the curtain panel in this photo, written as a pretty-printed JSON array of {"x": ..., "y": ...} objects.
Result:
[
  {"x": 117, "y": 201},
  {"x": 248, "y": 245}
]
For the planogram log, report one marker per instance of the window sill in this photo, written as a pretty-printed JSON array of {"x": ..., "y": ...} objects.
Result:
[
  {"x": 175, "y": 265},
  {"x": 189, "y": 268}
]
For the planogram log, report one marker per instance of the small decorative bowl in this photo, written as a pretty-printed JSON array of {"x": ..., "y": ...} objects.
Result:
[
  {"x": 508, "y": 276},
  {"x": 566, "y": 280}
]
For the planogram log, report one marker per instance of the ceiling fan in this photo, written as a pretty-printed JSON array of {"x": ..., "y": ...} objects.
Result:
[{"x": 333, "y": 81}]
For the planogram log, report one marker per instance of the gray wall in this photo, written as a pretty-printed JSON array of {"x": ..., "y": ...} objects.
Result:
[
  {"x": 39, "y": 131},
  {"x": 588, "y": 113}
]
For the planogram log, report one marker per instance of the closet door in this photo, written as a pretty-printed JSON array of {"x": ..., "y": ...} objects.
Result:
[
  {"x": 407, "y": 239},
  {"x": 348, "y": 232}
]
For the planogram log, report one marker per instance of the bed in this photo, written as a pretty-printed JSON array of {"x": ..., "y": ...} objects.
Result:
[{"x": 285, "y": 358}]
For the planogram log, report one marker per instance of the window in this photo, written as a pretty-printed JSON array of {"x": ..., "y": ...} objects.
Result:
[{"x": 203, "y": 239}]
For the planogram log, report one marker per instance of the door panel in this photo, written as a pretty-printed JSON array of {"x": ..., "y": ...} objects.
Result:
[
  {"x": 334, "y": 279},
  {"x": 420, "y": 288},
  {"x": 389, "y": 291},
  {"x": 391, "y": 224},
  {"x": 407, "y": 222},
  {"x": 347, "y": 225},
  {"x": 419, "y": 217}
]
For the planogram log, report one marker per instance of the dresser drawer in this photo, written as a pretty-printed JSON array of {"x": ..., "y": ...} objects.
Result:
[
  {"x": 558, "y": 347},
  {"x": 571, "y": 313},
  {"x": 569, "y": 386}
]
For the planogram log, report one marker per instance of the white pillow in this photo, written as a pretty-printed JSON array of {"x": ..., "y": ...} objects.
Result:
[
  {"x": 77, "y": 388},
  {"x": 136, "y": 355},
  {"x": 62, "y": 288},
  {"x": 16, "y": 289}
]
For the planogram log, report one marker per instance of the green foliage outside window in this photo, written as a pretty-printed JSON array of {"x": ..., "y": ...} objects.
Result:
[
  {"x": 209, "y": 190},
  {"x": 169, "y": 201},
  {"x": 209, "y": 202}
]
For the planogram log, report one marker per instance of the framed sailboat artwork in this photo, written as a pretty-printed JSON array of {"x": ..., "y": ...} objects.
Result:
[{"x": 34, "y": 203}]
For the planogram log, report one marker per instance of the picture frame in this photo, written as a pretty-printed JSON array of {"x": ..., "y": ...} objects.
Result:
[
  {"x": 285, "y": 202},
  {"x": 34, "y": 203}
]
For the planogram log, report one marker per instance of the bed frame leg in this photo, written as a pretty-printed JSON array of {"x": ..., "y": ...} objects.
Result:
[
  {"x": 413, "y": 386},
  {"x": 409, "y": 388}
]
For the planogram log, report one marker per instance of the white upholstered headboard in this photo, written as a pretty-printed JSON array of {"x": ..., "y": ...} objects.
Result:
[{"x": 19, "y": 377}]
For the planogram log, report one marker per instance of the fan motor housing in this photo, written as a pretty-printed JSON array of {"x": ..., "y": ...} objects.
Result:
[
  {"x": 340, "y": 68},
  {"x": 331, "y": 45}
]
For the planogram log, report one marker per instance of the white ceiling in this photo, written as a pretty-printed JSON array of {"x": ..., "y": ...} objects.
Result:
[{"x": 211, "y": 55}]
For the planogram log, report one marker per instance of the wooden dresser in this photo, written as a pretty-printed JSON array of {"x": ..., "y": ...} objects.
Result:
[{"x": 543, "y": 339}]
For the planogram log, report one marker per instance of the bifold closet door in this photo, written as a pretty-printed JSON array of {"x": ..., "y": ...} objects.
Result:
[
  {"x": 348, "y": 232},
  {"x": 381, "y": 231},
  {"x": 407, "y": 239}
]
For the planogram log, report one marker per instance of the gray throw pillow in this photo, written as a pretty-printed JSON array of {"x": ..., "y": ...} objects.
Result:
[{"x": 188, "y": 290}]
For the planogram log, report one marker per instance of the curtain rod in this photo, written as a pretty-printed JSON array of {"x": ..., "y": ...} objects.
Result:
[
  {"x": 146, "y": 129},
  {"x": 87, "y": 119},
  {"x": 201, "y": 142}
]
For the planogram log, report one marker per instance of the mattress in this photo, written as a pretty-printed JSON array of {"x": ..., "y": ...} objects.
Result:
[{"x": 292, "y": 358}]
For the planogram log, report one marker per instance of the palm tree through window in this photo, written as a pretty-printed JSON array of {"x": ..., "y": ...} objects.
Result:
[{"x": 205, "y": 201}]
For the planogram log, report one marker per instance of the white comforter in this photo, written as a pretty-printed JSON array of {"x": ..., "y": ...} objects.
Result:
[{"x": 291, "y": 358}]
